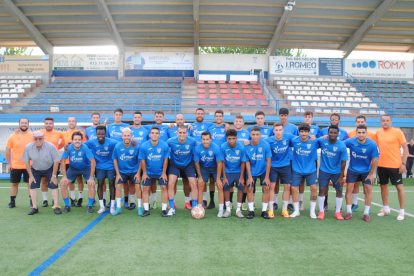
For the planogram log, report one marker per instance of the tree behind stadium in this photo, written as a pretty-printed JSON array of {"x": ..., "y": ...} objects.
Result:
[{"x": 249, "y": 50}]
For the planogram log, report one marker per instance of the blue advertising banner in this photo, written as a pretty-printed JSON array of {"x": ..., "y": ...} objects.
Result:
[{"x": 331, "y": 67}]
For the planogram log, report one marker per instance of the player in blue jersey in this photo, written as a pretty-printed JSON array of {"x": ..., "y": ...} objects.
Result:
[
  {"x": 280, "y": 166},
  {"x": 172, "y": 132},
  {"x": 242, "y": 134},
  {"x": 181, "y": 161},
  {"x": 342, "y": 136},
  {"x": 208, "y": 163},
  {"x": 154, "y": 156},
  {"x": 82, "y": 162},
  {"x": 288, "y": 129},
  {"x": 363, "y": 161},
  {"x": 102, "y": 149},
  {"x": 233, "y": 169},
  {"x": 303, "y": 166},
  {"x": 114, "y": 131},
  {"x": 258, "y": 166},
  {"x": 139, "y": 132},
  {"x": 90, "y": 132},
  {"x": 265, "y": 130},
  {"x": 218, "y": 130},
  {"x": 126, "y": 163},
  {"x": 333, "y": 162}
]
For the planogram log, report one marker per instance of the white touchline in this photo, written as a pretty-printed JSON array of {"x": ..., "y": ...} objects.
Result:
[{"x": 392, "y": 209}]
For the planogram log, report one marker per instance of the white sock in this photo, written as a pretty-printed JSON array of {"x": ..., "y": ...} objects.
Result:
[
  {"x": 271, "y": 203},
  {"x": 367, "y": 210},
  {"x": 227, "y": 206},
  {"x": 187, "y": 199},
  {"x": 221, "y": 207},
  {"x": 285, "y": 204},
  {"x": 264, "y": 206},
  {"x": 112, "y": 203},
  {"x": 338, "y": 204},
  {"x": 132, "y": 198},
  {"x": 104, "y": 195},
  {"x": 118, "y": 202},
  {"x": 276, "y": 198},
  {"x": 154, "y": 197},
  {"x": 164, "y": 207},
  {"x": 238, "y": 206},
  {"x": 355, "y": 199},
  {"x": 349, "y": 208},
  {"x": 139, "y": 202},
  {"x": 296, "y": 205},
  {"x": 101, "y": 203},
  {"x": 72, "y": 195},
  {"x": 204, "y": 196},
  {"x": 312, "y": 206},
  {"x": 290, "y": 199},
  {"x": 251, "y": 206},
  {"x": 80, "y": 194},
  {"x": 44, "y": 194},
  {"x": 386, "y": 208},
  {"x": 301, "y": 197},
  {"x": 402, "y": 211},
  {"x": 321, "y": 200},
  {"x": 146, "y": 206}
]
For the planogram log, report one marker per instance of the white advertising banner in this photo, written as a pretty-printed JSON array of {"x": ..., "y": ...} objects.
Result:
[
  {"x": 293, "y": 66},
  {"x": 85, "y": 62},
  {"x": 379, "y": 68},
  {"x": 159, "y": 61}
]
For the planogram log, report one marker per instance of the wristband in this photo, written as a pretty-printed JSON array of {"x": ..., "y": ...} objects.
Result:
[{"x": 54, "y": 175}]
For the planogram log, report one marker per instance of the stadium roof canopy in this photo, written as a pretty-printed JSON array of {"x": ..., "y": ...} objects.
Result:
[{"x": 372, "y": 25}]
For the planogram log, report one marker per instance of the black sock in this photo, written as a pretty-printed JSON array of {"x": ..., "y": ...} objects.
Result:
[
  {"x": 244, "y": 197},
  {"x": 212, "y": 196},
  {"x": 231, "y": 197},
  {"x": 326, "y": 201},
  {"x": 126, "y": 199},
  {"x": 13, "y": 198}
]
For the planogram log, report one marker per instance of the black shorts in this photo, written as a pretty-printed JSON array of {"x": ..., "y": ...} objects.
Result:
[
  {"x": 16, "y": 175},
  {"x": 389, "y": 174}
]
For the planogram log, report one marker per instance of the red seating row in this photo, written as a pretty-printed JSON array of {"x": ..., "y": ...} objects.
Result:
[
  {"x": 224, "y": 86},
  {"x": 233, "y": 91}
]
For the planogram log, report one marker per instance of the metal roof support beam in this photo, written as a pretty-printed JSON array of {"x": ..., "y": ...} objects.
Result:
[
  {"x": 280, "y": 28},
  {"x": 113, "y": 30},
  {"x": 366, "y": 27},
  {"x": 26, "y": 24},
  {"x": 196, "y": 6}
]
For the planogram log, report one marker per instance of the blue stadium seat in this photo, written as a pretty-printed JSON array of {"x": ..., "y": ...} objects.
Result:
[
  {"x": 138, "y": 85},
  {"x": 397, "y": 95},
  {"x": 145, "y": 85},
  {"x": 147, "y": 80},
  {"x": 131, "y": 80},
  {"x": 120, "y": 85},
  {"x": 148, "y": 102},
  {"x": 151, "y": 90},
  {"x": 383, "y": 81},
  {"x": 154, "y": 81},
  {"x": 166, "y": 102},
  {"x": 140, "y": 96},
  {"x": 153, "y": 85},
  {"x": 139, "y": 81},
  {"x": 168, "y": 90},
  {"x": 404, "y": 82},
  {"x": 143, "y": 90},
  {"x": 138, "y": 102},
  {"x": 145, "y": 108},
  {"x": 163, "y": 81},
  {"x": 123, "y": 80},
  {"x": 382, "y": 90},
  {"x": 169, "y": 85},
  {"x": 178, "y": 81},
  {"x": 397, "y": 90},
  {"x": 71, "y": 81},
  {"x": 398, "y": 100},
  {"x": 127, "y": 90},
  {"x": 110, "y": 90},
  {"x": 66, "y": 85},
  {"x": 178, "y": 85},
  {"x": 390, "y": 81},
  {"x": 177, "y": 90},
  {"x": 160, "y": 90},
  {"x": 158, "y": 96}
]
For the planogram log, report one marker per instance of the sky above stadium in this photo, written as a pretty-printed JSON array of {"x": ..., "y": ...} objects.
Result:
[{"x": 308, "y": 52}]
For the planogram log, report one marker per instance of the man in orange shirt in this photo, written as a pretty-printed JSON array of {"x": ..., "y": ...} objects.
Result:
[
  {"x": 390, "y": 166},
  {"x": 14, "y": 151},
  {"x": 67, "y": 136},
  {"x": 56, "y": 138},
  {"x": 360, "y": 121}
]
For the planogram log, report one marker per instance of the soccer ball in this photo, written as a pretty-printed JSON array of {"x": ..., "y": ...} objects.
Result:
[{"x": 198, "y": 212}]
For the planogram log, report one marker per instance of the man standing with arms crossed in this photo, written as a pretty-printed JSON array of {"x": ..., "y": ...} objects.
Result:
[
  {"x": 14, "y": 151},
  {"x": 45, "y": 162},
  {"x": 390, "y": 167},
  {"x": 154, "y": 156}
]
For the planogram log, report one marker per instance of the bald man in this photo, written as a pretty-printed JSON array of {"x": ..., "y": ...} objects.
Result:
[
  {"x": 172, "y": 132},
  {"x": 72, "y": 123}
]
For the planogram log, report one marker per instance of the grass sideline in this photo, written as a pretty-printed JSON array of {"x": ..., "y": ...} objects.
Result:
[{"x": 181, "y": 245}]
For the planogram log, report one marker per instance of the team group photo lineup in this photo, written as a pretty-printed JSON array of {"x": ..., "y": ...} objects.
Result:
[{"x": 133, "y": 161}]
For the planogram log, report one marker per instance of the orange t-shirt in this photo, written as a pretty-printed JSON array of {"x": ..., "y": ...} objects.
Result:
[
  {"x": 389, "y": 143},
  {"x": 53, "y": 137},
  {"x": 370, "y": 135},
  {"x": 17, "y": 143},
  {"x": 67, "y": 136}
]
